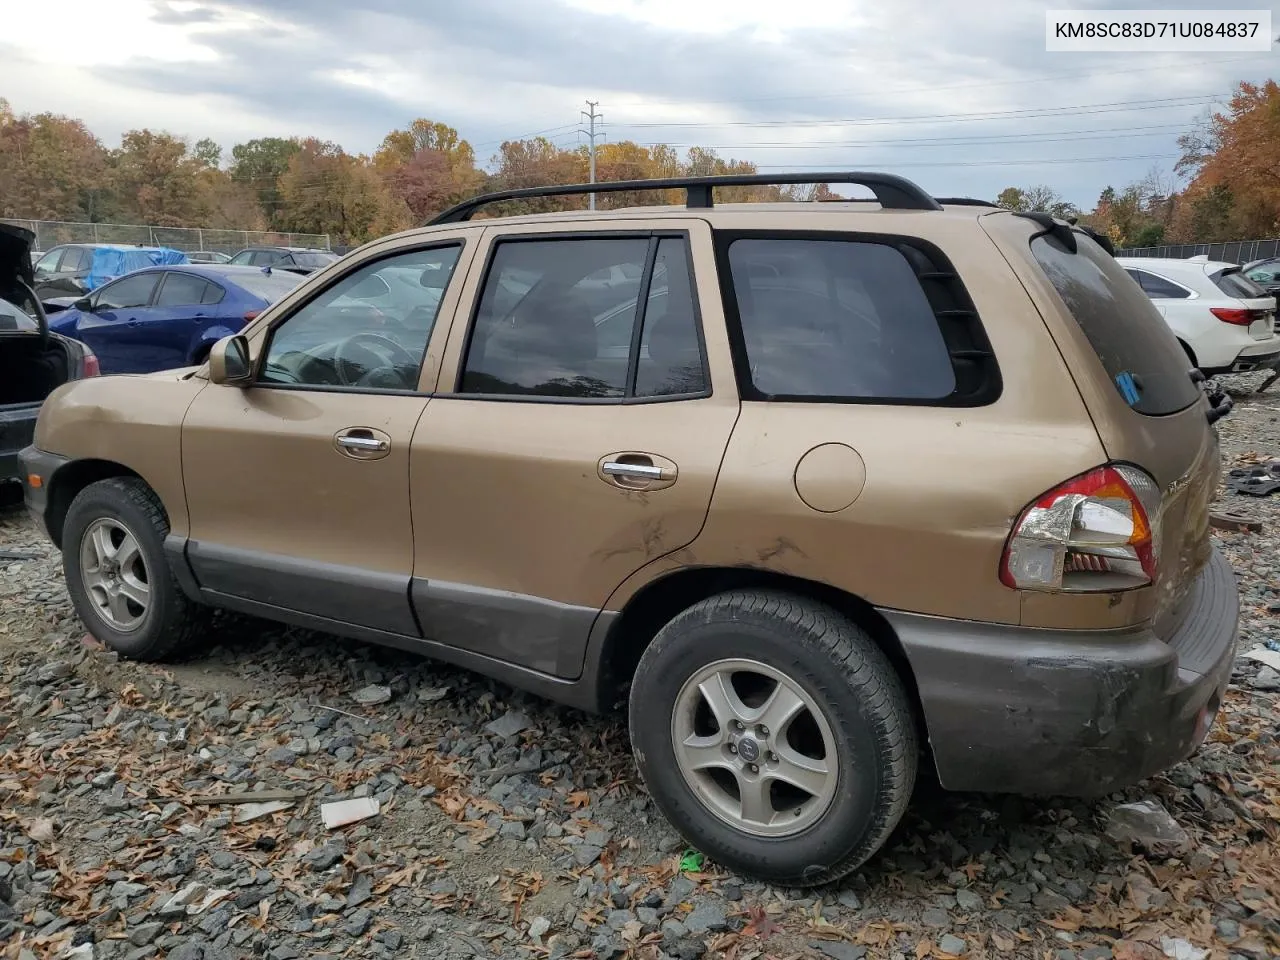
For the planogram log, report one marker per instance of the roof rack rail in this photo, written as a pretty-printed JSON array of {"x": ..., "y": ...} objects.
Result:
[
  {"x": 893, "y": 192},
  {"x": 965, "y": 202}
]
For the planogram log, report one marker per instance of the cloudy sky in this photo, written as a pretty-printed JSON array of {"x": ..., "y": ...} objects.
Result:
[{"x": 961, "y": 97}]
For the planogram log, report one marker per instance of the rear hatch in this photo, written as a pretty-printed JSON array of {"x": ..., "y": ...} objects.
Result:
[
  {"x": 1137, "y": 382},
  {"x": 1257, "y": 308}
]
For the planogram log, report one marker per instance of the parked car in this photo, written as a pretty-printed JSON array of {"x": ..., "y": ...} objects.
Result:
[
  {"x": 208, "y": 256},
  {"x": 33, "y": 361},
  {"x": 892, "y": 483},
  {"x": 169, "y": 317},
  {"x": 1224, "y": 321},
  {"x": 1265, "y": 273},
  {"x": 296, "y": 259},
  {"x": 74, "y": 269}
]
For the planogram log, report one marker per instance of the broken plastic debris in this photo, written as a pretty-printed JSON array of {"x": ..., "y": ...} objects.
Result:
[
  {"x": 1149, "y": 825},
  {"x": 342, "y": 812},
  {"x": 372, "y": 695},
  {"x": 256, "y": 811},
  {"x": 691, "y": 862},
  {"x": 1261, "y": 654},
  {"x": 1180, "y": 949}
]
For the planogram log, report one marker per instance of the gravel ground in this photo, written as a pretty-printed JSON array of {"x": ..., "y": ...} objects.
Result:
[{"x": 512, "y": 828}]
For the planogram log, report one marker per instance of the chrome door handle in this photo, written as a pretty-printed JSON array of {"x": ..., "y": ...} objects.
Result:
[
  {"x": 364, "y": 443},
  {"x": 635, "y": 471}
]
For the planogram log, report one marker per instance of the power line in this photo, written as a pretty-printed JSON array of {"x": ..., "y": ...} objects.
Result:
[
  {"x": 955, "y": 86},
  {"x": 1119, "y": 106},
  {"x": 925, "y": 142}
]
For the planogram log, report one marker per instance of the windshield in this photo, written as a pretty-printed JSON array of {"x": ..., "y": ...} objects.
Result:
[{"x": 314, "y": 259}]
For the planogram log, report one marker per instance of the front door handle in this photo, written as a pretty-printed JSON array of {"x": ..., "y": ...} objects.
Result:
[
  {"x": 633, "y": 470},
  {"x": 363, "y": 443}
]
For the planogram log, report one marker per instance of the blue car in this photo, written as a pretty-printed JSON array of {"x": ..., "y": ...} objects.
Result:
[{"x": 169, "y": 316}]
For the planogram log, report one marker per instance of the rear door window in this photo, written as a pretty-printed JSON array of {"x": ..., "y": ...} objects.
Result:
[
  {"x": 1143, "y": 359},
  {"x": 1158, "y": 288},
  {"x": 181, "y": 290}
]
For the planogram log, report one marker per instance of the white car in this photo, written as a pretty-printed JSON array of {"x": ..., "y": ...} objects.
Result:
[{"x": 1224, "y": 320}]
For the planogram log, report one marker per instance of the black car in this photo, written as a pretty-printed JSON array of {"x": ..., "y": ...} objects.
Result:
[
  {"x": 33, "y": 360},
  {"x": 294, "y": 259},
  {"x": 1266, "y": 274}
]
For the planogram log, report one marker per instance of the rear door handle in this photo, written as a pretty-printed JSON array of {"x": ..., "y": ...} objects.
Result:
[
  {"x": 363, "y": 443},
  {"x": 633, "y": 470}
]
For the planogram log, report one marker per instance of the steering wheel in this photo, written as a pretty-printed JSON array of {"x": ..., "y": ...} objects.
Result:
[{"x": 363, "y": 342}]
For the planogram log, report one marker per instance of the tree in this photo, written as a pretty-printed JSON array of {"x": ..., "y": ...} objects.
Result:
[
  {"x": 1237, "y": 150},
  {"x": 259, "y": 165},
  {"x": 327, "y": 190},
  {"x": 1039, "y": 198},
  {"x": 156, "y": 180},
  {"x": 1012, "y": 198},
  {"x": 207, "y": 152},
  {"x": 51, "y": 168},
  {"x": 427, "y": 167}
]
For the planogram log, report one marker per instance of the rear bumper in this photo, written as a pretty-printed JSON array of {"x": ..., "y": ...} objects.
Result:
[
  {"x": 1264, "y": 356},
  {"x": 1073, "y": 713},
  {"x": 17, "y": 427}
]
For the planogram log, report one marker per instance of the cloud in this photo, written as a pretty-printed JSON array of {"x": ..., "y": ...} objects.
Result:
[{"x": 810, "y": 87}]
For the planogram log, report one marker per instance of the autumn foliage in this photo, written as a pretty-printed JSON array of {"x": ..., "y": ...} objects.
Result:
[{"x": 54, "y": 168}]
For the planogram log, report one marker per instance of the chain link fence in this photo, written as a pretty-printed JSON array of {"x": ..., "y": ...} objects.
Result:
[
  {"x": 1237, "y": 251},
  {"x": 50, "y": 233}
]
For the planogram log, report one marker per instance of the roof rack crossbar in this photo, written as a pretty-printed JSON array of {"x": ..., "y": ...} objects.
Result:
[{"x": 892, "y": 192}]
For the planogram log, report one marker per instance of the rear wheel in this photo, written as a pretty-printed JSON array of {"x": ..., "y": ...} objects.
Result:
[
  {"x": 774, "y": 735},
  {"x": 117, "y": 574}
]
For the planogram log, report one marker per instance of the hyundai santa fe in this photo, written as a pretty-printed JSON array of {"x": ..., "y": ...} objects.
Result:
[{"x": 855, "y": 486}]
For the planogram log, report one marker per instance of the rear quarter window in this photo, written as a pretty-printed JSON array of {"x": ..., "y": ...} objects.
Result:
[
  {"x": 1143, "y": 359},
  {"x": 855, "y": 319}
]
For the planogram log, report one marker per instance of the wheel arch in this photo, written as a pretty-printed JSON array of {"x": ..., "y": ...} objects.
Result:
[
  {"x": 69, "y": 480},
  {"x": 659, "y": 601}
]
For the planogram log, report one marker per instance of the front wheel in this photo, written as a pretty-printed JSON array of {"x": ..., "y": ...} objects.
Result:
[
  {"x": 117, "y": 574},
  {"x": 774, "y": 735}
]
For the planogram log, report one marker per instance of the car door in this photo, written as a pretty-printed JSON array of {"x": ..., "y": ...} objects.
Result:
[
  {"x": 163, "y": 336},
  {"x": 110, "y": 324},
  {"x": 298, "y": 484},
  {"x": 1171, "y": 299},
  {"x": 547, "y": 468}
]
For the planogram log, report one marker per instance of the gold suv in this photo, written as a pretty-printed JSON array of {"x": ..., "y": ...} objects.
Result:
[{"x": 831, "y": 489}]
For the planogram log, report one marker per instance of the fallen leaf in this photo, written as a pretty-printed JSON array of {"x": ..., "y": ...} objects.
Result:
[
  {"x": 759, "y": 925},
  {"x": 1003, "y": 944},
  {"x": 1134, "y": 950},
  {"x": 923, "y": 949}
]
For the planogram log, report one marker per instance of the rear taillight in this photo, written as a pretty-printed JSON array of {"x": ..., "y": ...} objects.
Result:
[
  {"x": 251, "y": 315},
  {"x": 1236, "y": 315},
  {"x": 1096, "y": 532},
  {"x": 91, "y": 367}
]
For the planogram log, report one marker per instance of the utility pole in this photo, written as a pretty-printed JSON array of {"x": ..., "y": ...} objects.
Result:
[{"x": 591, "y": 133}]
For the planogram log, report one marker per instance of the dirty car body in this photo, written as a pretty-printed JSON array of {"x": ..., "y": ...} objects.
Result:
[{"x": 734, "y": 515}]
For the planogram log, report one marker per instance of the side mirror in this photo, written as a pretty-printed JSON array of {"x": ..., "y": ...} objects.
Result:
[
  {"x": 84, "y": 305},
  {"x": 229, "y": 361}
]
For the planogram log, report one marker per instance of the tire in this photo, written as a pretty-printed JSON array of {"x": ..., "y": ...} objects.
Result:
[
  {"x": 169, "y": 623},
  {"x": 854, "y": 704}
]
